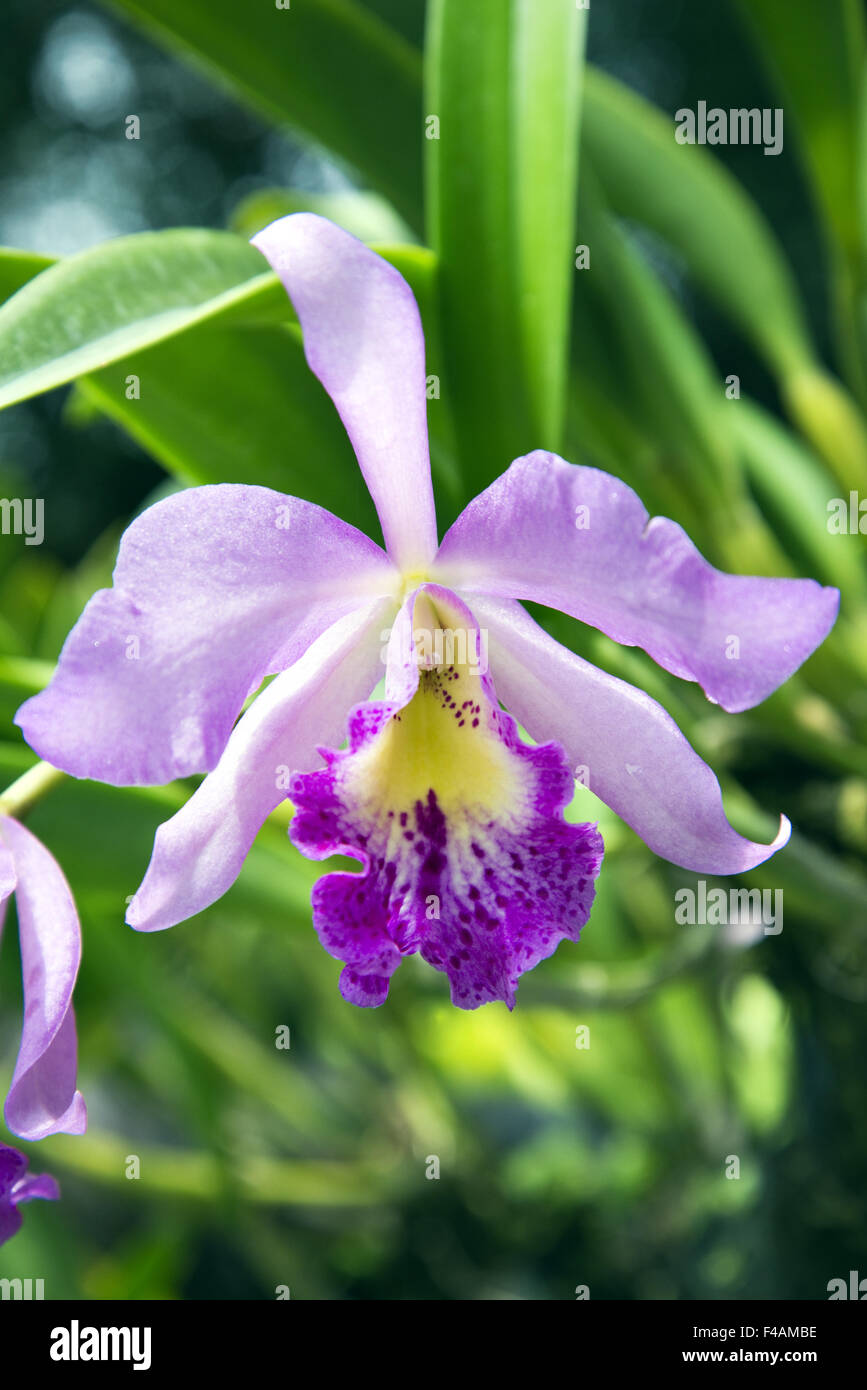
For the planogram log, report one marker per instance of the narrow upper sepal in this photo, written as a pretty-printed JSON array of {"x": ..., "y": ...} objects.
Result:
[{"x": 363, "y": 339}]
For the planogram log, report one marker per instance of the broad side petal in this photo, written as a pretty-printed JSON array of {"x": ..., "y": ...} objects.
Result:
[
  {"x": 43, "y": 1099},
  {"x": 199, "y": 853},
  {"x": 363, "y": 339},
  {"x": 214, "y": 588},
  {"x": 638, "y": 761},
  {"x": 580, "y": 540}
]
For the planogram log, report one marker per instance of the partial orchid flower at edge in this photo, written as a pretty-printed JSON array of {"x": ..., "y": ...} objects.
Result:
[
  {"x": 457, "y": 823},
  {"x": 42, "y": 1098},
  {"x": 17, "y": 1186}
]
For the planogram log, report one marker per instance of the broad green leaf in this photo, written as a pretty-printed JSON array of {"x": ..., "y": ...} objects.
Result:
[
  {"x": 237, "y": 404},
  {"x": 17, "y": 267},
  {"x": 27, "y": 588},
  {"x": 503, "y": 82},
  {"x": 330, "y": 67},
  {"x": 407, "y": 16},
  {"x": 223, "y": 392},
  {"x": 104, "y": 303}
]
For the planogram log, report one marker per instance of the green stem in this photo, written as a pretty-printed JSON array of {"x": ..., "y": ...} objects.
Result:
[{"x": 28, "y": 789}]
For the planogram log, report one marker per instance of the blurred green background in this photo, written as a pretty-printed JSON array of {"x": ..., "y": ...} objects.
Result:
[{"x": 559, "y": 1165}]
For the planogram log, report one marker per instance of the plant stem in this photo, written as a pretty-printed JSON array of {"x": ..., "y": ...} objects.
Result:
[{"x": 28, "y": 789}]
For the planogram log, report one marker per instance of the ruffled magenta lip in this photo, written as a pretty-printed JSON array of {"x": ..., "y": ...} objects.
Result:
[{"x": 481, "y": 892}]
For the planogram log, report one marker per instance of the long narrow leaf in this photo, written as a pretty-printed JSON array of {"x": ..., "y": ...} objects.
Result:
[
  {"x": 330, "y": 67},
  {"x": 686, "y": 196},
  {"x": 503, "y": 82}
]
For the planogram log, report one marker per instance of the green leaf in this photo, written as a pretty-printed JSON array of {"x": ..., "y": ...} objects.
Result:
[
  {"x": 17, "y": 267},
  {"x": 792, "y": 481},
  {"x": 240, "y": 405},
  {"x": 684, "y": 195},
  {"x": 687, "y": 197},
  {"x": 829, "y": 418},
  {"x": 666, "y": 377},
  {"x": 329, "y": 67},
  {"x": 104, "y": 303},
  {"x": 364, "y": 215},
  {"x": 816, "y": 54},
  {"x": 224, "y": 393},
  {"x": 504, "y": 82},
  {"x": 668, "y": 381},
  {"x": 548, "y": 51},
  {"x": 604, "y": 430}
]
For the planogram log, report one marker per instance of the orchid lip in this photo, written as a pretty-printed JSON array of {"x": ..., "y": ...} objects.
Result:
[{"x": 458, "y": 825}]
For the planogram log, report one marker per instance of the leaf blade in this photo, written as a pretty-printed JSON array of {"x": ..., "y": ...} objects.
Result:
[
  {"x": 504, "y": 84},
  {"x": 330, "y": 67},
  {"x": 98, "y": 306}
]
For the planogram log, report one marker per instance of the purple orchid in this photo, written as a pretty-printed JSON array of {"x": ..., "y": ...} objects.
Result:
[
  {"x": 43, "y": 1098},
  {"x": 16, "y": 1186},
  {"x": 456, "y": 822}
]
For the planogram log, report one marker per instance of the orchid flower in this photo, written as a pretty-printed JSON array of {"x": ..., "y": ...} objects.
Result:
[
  {"x": 43, "y": 1098},
  {"x": 16, "y": 1186},
  {"x": 456, "y": 822}
]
